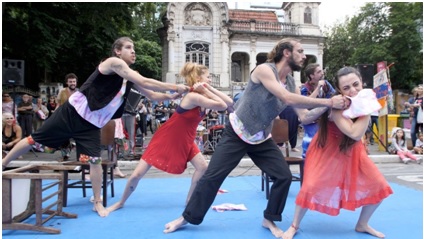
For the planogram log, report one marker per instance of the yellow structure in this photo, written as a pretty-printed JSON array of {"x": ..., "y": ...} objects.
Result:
[{"x": 392, "y": 120}]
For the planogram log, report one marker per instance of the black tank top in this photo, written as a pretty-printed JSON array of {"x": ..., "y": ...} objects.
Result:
[{"x": 8, "y": 139}]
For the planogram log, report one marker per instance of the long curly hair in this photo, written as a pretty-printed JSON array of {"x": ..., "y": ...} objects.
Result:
[{"x": 347, "y": 142}]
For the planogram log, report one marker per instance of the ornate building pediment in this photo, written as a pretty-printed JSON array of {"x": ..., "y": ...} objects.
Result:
[{"x": 197, "y": 14}]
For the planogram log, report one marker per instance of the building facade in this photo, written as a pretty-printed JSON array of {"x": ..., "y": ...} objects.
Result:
[{"x": 232, "y": 42}]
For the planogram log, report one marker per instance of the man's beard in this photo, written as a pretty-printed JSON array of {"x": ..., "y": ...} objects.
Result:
[
  {"x": 293, "y": 65},
  {"x": 72, "y": 87}
]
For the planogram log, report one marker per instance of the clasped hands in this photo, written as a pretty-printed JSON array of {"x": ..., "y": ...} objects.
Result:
[{"x": 340, "y": 102}]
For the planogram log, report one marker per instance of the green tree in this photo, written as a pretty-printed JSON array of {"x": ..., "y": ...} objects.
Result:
[
  {"x": 57, "y": 38},
  {"x": 379, "y": 32},
  {"x": 149, "y": 58},
  {"x": 406, "y": 44}
]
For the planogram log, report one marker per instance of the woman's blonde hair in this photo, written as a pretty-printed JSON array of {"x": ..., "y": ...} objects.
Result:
[
  {"x": 192, "y": 71},
  {"x": 7, "y": 115}
]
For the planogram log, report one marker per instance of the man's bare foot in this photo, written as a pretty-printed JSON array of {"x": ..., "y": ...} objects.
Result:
[
  {"x": 369, "y": 230},
  {"x": 174, "y": 225},
  {"x": 276, "y": 231},
  {"x": 115, "y": 207},
  {"x": 290, "y": 232},
  {"x": 98, "y": 207}
]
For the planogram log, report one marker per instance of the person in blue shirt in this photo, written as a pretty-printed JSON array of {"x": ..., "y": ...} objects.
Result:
[{"x": 315, "y": 87}]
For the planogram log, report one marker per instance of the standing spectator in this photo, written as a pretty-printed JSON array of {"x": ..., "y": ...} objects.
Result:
[
  {"x": 248, "y": 131},
  {"x": 315, "y": 87},
  {"x": 172, "y": 107},
  {"x": 51, "y": 105},
  {"x": 141, "y": 121},
  {"x": 40, "y": 114},
  {"x": 398, "y": 146},
  {"x": 414, "y": 104},
  {"x": 370, "y": 131},
  {"x": 25, "y": 111},
  {"x": 149, "y": 116},
  {"x": 160, "y": 114},
  {"x": 119, "y": 144},
  {"x": 8, "y": 104},
  {"x": 129, "y": 121},
  {"x": 101, "y": 98},
  {"x": 11, "y": 133},
  {"x": 71, "y": 82}
]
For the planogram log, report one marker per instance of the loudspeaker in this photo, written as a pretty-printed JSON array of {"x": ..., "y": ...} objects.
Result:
[
  {"x": 13, "y": 72},
  {"x": 367, "y": 74},
  {"x": 133, "y": 99}
]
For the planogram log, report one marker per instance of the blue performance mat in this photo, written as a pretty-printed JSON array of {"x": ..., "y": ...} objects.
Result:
[{"x": 158, "y": 201}]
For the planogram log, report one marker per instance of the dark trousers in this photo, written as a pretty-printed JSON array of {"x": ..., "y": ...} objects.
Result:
[
  {"x": 228, "y": 153},
  {"x": 374, "y": 121},
  {"x": 290, "y": 115},
  {"x": 149, "y": 124},
  {"x": 142, "y": 124},
  {"x": 25, "y": 121}
]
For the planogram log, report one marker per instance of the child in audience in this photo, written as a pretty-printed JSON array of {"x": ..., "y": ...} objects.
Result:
[
  {"x": 399, "y": 143},
  {"x": 418, "y": 149}
]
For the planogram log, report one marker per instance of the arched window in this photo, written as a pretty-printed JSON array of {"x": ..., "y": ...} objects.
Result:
[
  {"x": 307, "y": 16},
  {"x": 197, "y": 52}
]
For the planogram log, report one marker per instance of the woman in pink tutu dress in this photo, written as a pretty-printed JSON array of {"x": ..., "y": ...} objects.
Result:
[
  {"x": 173, "y": 145},
  {"x": 343, "y": 178}
]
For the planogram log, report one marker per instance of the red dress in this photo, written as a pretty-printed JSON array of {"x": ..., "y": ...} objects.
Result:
[
  {"x": 172, "y": 146},
  {"x": 335, "y": 180}
]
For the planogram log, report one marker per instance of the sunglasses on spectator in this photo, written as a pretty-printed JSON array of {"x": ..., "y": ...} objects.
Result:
[{"x": 9, "y": 118}]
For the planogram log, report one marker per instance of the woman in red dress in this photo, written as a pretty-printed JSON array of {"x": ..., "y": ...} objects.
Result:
[
  {"x": 346, "y": 177},
  {"x": 173, "y": 145}
]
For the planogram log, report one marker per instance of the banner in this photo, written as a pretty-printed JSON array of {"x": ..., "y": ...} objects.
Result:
[{"x": 381, "y": 89}]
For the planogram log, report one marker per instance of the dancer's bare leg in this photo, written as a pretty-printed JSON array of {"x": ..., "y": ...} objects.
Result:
[
  {"x": 139, "y": 172},
  {"x": 96, "y": 172},
  {"x": 175, "y": 225},
  {"x": 200, "y": 165},
  {"x": 19, "y": 149},
  {"x": 362, "y": 225},
  {"x": 299, "y": 213},
  {"x": 276, "y": 231}
]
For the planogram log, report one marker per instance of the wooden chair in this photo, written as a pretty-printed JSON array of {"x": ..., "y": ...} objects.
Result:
[
  {"x": 108, "y": 141},
  {"x": 280, "y": 134}
]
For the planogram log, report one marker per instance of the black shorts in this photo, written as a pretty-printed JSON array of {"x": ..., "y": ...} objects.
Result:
[{"x": 66, "y": 123}]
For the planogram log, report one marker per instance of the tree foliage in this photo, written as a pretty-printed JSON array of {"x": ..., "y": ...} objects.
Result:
[
  {"x": 55, "y": 38},
  {"x": 379, "y": 32}
]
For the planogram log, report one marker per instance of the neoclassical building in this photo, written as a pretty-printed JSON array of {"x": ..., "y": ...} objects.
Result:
[{"x": 231, "y": 42}]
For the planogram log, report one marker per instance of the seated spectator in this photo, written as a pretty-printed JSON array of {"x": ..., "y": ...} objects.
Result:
[
  {"x": 11, "y": 134},
  {"x": 418, "y": 149},
  {"x": 398, "y": 146}
]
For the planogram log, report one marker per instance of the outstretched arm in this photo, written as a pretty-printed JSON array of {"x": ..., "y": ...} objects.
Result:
[
  {"x": 118, "y": 66},
  {"x": 265, "y": 75},
  {"x": 157, "y": 96}
]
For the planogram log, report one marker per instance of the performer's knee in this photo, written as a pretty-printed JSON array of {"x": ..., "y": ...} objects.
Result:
[
  {"x": 90, "y": 159},
  {"x": 30, "y": 140}
]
